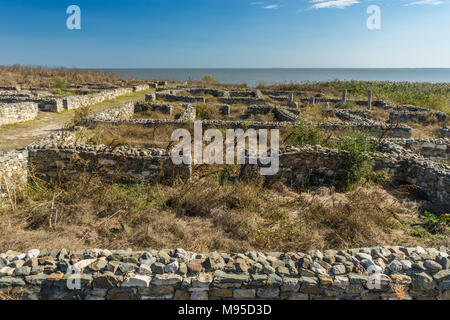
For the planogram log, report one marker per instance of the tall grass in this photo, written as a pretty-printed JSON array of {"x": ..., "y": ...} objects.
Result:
[{"x": 429, "y": 95}]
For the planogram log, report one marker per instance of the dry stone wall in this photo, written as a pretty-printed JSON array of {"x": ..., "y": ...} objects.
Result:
[
  {"x": 60, "y": 155},
  {"x": 375, "y": 273},
  {"x": 13, "y": 171},
  {"x": 17, "y": 112}
]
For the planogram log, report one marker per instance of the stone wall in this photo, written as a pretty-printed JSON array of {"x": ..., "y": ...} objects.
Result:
[
  {"x": 74, "y": 102},
  {"x": 124, "y": 114},
  {"x": 257, "y": 109},
  {"x": 376, "y": 273},
  {"x": 189, "y": 114},
  {"x": 433, "y": 149},
  {"x": 13, "y": 170},
  {"x": 59, "y": 155},
  {"x": 284, "y": 114},
  {"x": 306, "y": 165},
  {"x": 242, "y": 100},
  {"x": 178, "y": 98},
  {"x": 163, "y": 108},
  {"x": 444, "y": 132},
  {"x": 17, "y": 112}
]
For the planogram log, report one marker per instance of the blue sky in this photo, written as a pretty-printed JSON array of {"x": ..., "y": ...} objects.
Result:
[{"x": 226, "y": 33}]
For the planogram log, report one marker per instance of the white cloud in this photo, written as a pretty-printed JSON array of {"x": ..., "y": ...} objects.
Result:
[
  {"x": 320, "y": 4},
  {"x": 428, "y": 2},
  {"x": 272, "y": 6}
]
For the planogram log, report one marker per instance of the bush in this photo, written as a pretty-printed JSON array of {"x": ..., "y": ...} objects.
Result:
[
  {"x": 356, "y": 162},
  {"x": 206, "y": 112},
  {"x": 60, "y": 84},
  {"x": 209, "y": 79},
  {"x": 306, "y": 133}
]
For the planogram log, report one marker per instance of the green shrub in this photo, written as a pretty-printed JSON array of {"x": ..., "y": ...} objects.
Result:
[
  {"x": 60, "y": 84},
  {"x": 206, "y": 112},
  {"x": 356, "y": 163},
  {"x": 209, "y": 79}
]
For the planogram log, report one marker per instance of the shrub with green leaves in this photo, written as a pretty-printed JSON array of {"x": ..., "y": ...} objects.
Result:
[
  {"x": 356, "y": 161},
  {"x": 306, "y": 133}
]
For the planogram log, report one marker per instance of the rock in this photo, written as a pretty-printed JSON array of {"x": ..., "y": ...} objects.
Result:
[
  {"x": 22, "y": 271},
  {"x": 395, "y": 266},
  {"x": 309, "y": 285},
  {"x": 202, "y": 281},
  {"x": 166, "y": 280},
  {"x": 363, "y": 256},
  {"x": 193, "y": 267},
  {"x": 220, "y": 293},
  {"x": 172, "y": 267},
  {"x": 158, "y": 268},
  {"x": 317, "y": 268},
  {"x": 274, "y": 280},
  {"x": 406, "y": 264},
  {"x": 106, "y": 280},
  {"x": 338, "y": 269},
  {"x": 199, "y": 295},
  {"x": 144, "y": 269},
  {"x": 356, "y": 278},
  {"x": 17, "y": 263},
  {"x": 268, "y": 292},
  {"x": 84, "y": 263},
  {"x": 98, "y": 265},
  {"x": 33, "y": 253},
  {"x": 401, "y": 279},
  {"x": 290, "y": 285},
  {"x": 432, "y": 265},
  {"x": 32, "y": 263},
  {"x": 341, "y": 282},
  {"x": 6, "y": 271},
  {"x": 244, "y": 293},
  {"x": 422, "y": 282},
  {"x": 442, "y": 275}
]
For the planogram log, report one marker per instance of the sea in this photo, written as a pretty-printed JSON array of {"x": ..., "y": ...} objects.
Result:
[{"x": 287, "y": 75}]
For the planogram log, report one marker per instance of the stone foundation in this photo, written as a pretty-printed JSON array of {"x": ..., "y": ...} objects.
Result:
[
  {"x": 17, "y": 112},
  {"x": 13, "y": 171}
]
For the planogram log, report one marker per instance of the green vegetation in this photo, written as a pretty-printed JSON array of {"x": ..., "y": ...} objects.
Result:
[
  {"x": 357, "y": 144},
  {"x": 429, "y": 95},
  {"x": 206, "y": 111},
  {"x": 209, "y": 79},
  {"x": 60, "y": 84}
]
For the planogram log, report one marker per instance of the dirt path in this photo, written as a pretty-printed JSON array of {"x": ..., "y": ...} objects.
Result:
[{"x": 20, "y": 135}]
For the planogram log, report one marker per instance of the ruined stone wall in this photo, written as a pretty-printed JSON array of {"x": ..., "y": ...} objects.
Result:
[
  {"x": 74, "y": 102},
  {"x": 256, "y": 109},
  {"x": 284, "y": 114},
  {"x": 163, "y": 108},
  {"x": 376, "y": 273},
  {"x": 242, "y": 100},
  {"x": 178, "y": 98},
  {"x": 55, "y": 156},
  {"x": 433, "y": 149},
  {"x": 17, "y": 112},
  {"x": 306, "y": 165},
  {"x": 444, "y": 132}
]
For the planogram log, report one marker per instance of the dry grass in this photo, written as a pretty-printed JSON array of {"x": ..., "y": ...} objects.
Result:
[
  {"x": 54, "y": 77},
  {"x": 177, "y": 110},
  {"x": 214, "y": 211},
  {"x": 134, "y": 136}
]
